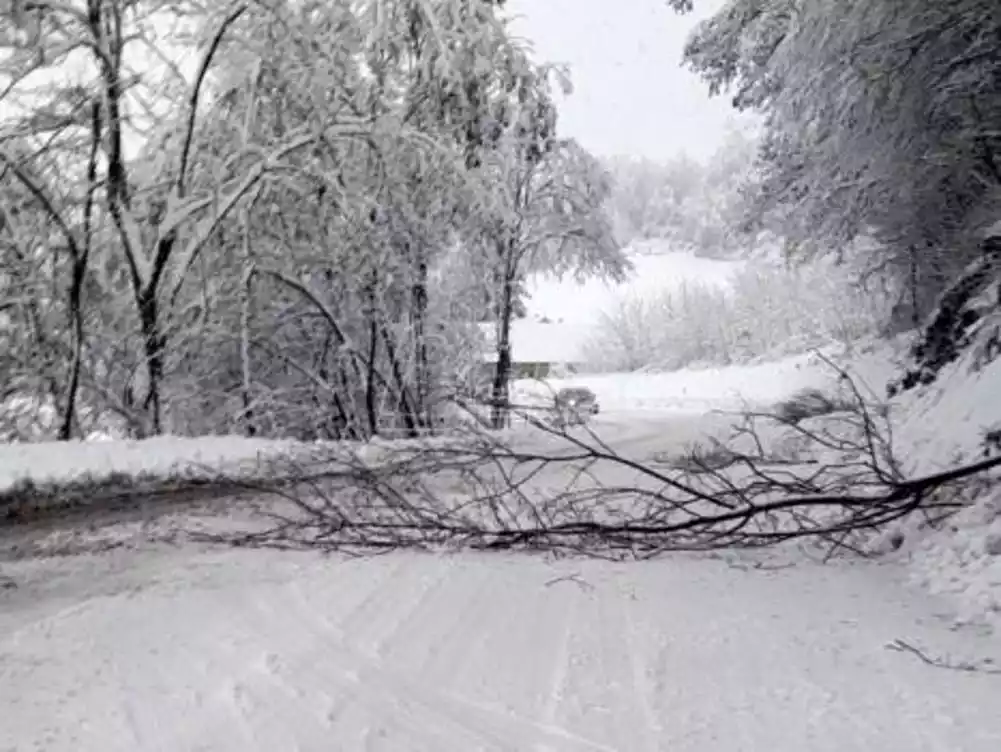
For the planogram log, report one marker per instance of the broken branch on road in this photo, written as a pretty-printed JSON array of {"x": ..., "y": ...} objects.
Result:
[{"x": 828, "y": 480}]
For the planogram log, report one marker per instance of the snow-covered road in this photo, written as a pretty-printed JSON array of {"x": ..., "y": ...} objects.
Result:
[{"x": 240, "y": 650}]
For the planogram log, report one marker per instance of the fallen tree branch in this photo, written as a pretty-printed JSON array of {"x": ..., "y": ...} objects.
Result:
[
  {"x": 986, "y": 666},
  {"x": 477, "y": 491},
  {"x": 549, "y": 487}
]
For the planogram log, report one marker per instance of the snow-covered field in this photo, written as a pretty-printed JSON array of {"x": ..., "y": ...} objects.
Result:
[
  {"x": 182, "y": 650},
  {"x": 656, "y": 269},
  {"x": 147, "y": 647}
]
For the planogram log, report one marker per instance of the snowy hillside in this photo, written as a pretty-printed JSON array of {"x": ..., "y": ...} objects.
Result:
[
  {"x": 657, "y": 268},
  {"x": 957, "y": 419}
]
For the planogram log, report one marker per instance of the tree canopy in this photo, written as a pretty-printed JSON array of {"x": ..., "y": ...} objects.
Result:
[
  {"x": 240, "y": 216},
  {"x": 879, "y": 122}
]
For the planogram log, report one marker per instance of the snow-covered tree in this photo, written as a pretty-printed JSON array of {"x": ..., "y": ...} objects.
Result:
[
  {"x": 696, "y": 206},
  {"x": 255, "y": 242},
  {"x": 880, "y": 123}
]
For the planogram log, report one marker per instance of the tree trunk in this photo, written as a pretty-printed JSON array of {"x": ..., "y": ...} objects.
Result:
[
  {"x": 371, "y": 376},
  {"x": 500, "y": 393},
  {"x": 154, "y": 343},
  {"x": 246, "y": 394},
  {"x": 419, "y": 307},
  {"x": 81, "y": 259},
  {"x": 349, "y": 419},
  {"x": 76, "y": 314},
  {"x": 406, "y": 406}
]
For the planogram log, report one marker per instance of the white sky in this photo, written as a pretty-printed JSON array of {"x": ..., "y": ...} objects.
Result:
[{"x": 631, "y": 96}]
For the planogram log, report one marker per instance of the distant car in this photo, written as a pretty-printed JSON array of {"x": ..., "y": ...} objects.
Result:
[{"x": 575, "y": 404}]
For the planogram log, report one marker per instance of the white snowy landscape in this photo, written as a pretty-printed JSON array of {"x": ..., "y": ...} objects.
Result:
[
  {"x": 363, "y": 386},
  {"x": 137, "y": 645}
]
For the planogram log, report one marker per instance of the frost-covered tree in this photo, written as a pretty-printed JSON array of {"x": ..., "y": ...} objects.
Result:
[
  {"x": 160, "y": 230},
  {"x": 764, "y": 310},
  {"x": 547, "y": 216},
  {"x": 695, "y": 206},
  {"x": 880, "y": 122},
  {"x": 262, "y": 236}
]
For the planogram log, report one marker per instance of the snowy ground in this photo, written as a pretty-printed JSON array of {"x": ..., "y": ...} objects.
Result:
[
  {"x": 179, "y": 650},
  {"x": 184, "y": 648}
]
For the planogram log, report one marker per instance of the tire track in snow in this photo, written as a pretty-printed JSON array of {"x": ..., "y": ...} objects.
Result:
[
  {"x": 499, "y": 730},
  {"x": 635, "y": 721},
  {"x": 479, "y": 611},
  {"x": 350, "y": 706},
  {"x": 367, "y": 608},
  {"x": 382, "y": 617},
  {"x": 378, "y": 605},
  {"x": 419, "y": 712},
  {"x": 606, "y": 700},
  {"x": 350, "y": 710},
  {"x": 345, "y": 690},
  {"x": 386, "y": 622},
  {"x": 792, "y": 660},
  {"x": 365, "y": 681},
  {"x": 259, "y": 711},
  {"x": 175, "y": 709},
  {"x": 474, "y": 665},
  {"x": 617, "y": 694},
  {"x": 418, "y": 707},
  {"x": 559, "y": 669},
  {"x": 447, "y": 633},
  {"x": 541, "y": 683},
  {"x": 227, "y": 675},
  {"x": 469, "y": 664},
  {"x": 281, "y": 707},
  {"x": 273, "y": 711}
]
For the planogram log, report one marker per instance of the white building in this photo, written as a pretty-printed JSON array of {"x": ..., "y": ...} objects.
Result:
[{"x": 540, "y": 349}]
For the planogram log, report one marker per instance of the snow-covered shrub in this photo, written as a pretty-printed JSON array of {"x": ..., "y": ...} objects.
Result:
[{"x": 768, "y": 310}]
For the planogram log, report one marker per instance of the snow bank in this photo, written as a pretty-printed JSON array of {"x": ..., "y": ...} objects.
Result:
[
  {"x": 943, "y": 425},
  {"x": 947, "y": 422},
  {"x": 937, "y": 427},
  {"x": 163, "y": 456}
]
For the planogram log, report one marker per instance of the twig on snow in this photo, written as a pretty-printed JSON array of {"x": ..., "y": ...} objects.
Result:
[
  {"x": 574, "y": 578},
  {"x": 985, "y": 666}
]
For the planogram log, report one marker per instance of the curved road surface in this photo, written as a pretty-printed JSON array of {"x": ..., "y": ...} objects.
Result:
[{"x": 250, "y": 650}]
